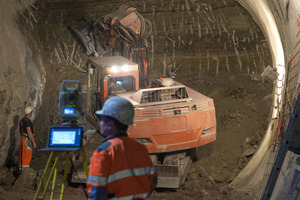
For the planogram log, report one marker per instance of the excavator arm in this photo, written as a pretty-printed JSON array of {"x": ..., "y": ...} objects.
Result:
[{"x": 123, "y": 32}]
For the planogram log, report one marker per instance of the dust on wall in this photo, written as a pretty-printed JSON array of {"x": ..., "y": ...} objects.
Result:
[{"x": 20, "y": 81}]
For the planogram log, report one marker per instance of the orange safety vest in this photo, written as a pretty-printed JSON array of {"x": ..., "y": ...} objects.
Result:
[{"x": 121, "y": 169}]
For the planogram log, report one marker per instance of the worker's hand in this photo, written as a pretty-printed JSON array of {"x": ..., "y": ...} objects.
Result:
[{"x": 34, "y": 145}]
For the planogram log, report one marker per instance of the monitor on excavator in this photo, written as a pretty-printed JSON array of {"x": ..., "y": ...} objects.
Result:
[{"x": 121, "y": 84}]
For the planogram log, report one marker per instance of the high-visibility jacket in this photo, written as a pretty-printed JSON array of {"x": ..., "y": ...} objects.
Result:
[
  {"x": 25, "y": 143},
  {"x": 121, "y": 168}
]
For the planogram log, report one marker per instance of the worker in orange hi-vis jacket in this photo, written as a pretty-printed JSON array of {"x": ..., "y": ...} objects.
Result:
[
  {"x": 120, "y": 167},
  {"x": 27, "y": 142}
]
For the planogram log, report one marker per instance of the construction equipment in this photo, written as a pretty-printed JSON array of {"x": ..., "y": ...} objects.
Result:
[
  {"x": 51, "y": 172},
  {"x": 69, "y": 104},
  {"x": 171, "y": 120},
  {"x": 124, "y": 32},
  {"x": 64, "y": 140}
]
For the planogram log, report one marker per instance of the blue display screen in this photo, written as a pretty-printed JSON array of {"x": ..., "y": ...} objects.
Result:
[
  {"x": 119, "y": 83},
  {"x": 65, "y": 136},
  {"x": 69, "y": 111}
]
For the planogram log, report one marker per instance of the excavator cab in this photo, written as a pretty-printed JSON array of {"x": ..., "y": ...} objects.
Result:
[{"x": 111, "y": 76}]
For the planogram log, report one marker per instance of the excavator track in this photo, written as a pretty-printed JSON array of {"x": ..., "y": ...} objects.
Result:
[{"x": 173, "y": 167}]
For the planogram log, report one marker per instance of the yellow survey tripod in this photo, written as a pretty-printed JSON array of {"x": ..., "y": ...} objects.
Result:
[
  {"x": 53, "y": 174},
  {"x": 62, "y": 141}
]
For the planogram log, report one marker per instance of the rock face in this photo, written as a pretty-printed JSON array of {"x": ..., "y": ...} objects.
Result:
[{"x": 19, "y": 78}]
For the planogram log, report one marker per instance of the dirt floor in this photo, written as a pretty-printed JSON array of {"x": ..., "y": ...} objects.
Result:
[{"x": 242, "y": 109}]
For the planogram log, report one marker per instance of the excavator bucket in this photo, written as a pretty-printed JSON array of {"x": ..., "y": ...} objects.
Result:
[
  {"x": 174, "y": 168},
  {"x": 168, "y": 176}
]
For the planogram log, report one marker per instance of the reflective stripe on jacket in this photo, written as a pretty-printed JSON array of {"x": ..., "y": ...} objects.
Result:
[
  {"x": 121, "y": 169},
  {"x": 25, "y": 152}
]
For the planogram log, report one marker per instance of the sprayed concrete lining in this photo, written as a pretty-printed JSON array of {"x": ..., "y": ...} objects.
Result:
[{"x": 250, "y": 177}]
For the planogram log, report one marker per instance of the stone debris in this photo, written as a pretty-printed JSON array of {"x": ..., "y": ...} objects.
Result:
[
  {"x": 249, "y": 152},
  {"x": 6, "y": 177},
  {"x": 26, "y": 180}
]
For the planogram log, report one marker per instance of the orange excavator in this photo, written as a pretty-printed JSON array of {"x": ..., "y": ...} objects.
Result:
[{"x": 171, "y": 120}]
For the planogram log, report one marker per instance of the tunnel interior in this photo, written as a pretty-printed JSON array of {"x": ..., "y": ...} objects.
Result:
[{"x": 223, "y": 53}]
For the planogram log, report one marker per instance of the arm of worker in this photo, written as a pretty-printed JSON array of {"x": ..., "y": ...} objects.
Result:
[
  {"x": 98, "y": 174},
  {"x": 30, "y": 135}
]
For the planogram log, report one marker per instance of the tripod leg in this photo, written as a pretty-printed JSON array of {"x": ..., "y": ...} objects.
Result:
[
  {"x": 55, "y": 175},
  {"x": 84, "y": 162},
  {"x": 65, "y": 176},
  {"x": 50, "y": 176},
  {"x": 43, "y": 177}
]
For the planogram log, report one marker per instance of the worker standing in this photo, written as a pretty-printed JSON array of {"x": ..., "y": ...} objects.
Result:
[
  {"x": 120, "y": 167},
  {"x": 27, "y": 142}
]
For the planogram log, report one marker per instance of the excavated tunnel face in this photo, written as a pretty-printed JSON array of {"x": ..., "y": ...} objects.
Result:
[
  {"x": 222, "y": 52},
  {"x": 214, "y": 47}
]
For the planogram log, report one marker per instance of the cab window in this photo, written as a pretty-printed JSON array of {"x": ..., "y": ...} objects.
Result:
[{"x": 121, "y": 84}]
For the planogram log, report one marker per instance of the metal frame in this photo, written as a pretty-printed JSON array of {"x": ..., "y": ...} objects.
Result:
[{"x": 53, "y": 174}]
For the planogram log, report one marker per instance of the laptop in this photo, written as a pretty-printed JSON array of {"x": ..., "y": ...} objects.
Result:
[{"x": 64, "y": 138}]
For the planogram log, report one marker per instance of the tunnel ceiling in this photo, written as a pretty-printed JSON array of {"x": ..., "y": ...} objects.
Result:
[{"x": 209, "y": 33}]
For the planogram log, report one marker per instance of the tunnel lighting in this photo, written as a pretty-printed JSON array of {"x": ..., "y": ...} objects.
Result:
[
  {"x": 107, "y": 70},
  {"x": 281, "y": 75},
  {"x": 114, "y": 69},
  {"x": 125, "y": 68}
]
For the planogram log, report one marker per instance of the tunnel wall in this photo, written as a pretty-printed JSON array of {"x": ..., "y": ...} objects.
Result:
[
  {"x": 252, "y": 177},
  {"x": 205, "y": 33},
  {"x": 19, "y": 77}
]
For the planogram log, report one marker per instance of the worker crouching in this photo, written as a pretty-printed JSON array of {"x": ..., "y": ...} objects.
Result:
[{"x": 120, "y": 167}]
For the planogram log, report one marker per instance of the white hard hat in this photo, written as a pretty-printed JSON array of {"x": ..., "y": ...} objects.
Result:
[
  {"x": 28, "y": 110},
  {"x": 119, "y": 109}
]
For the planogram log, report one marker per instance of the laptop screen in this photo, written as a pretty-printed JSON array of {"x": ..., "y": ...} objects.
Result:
[{"x": 65, "y": 136}]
